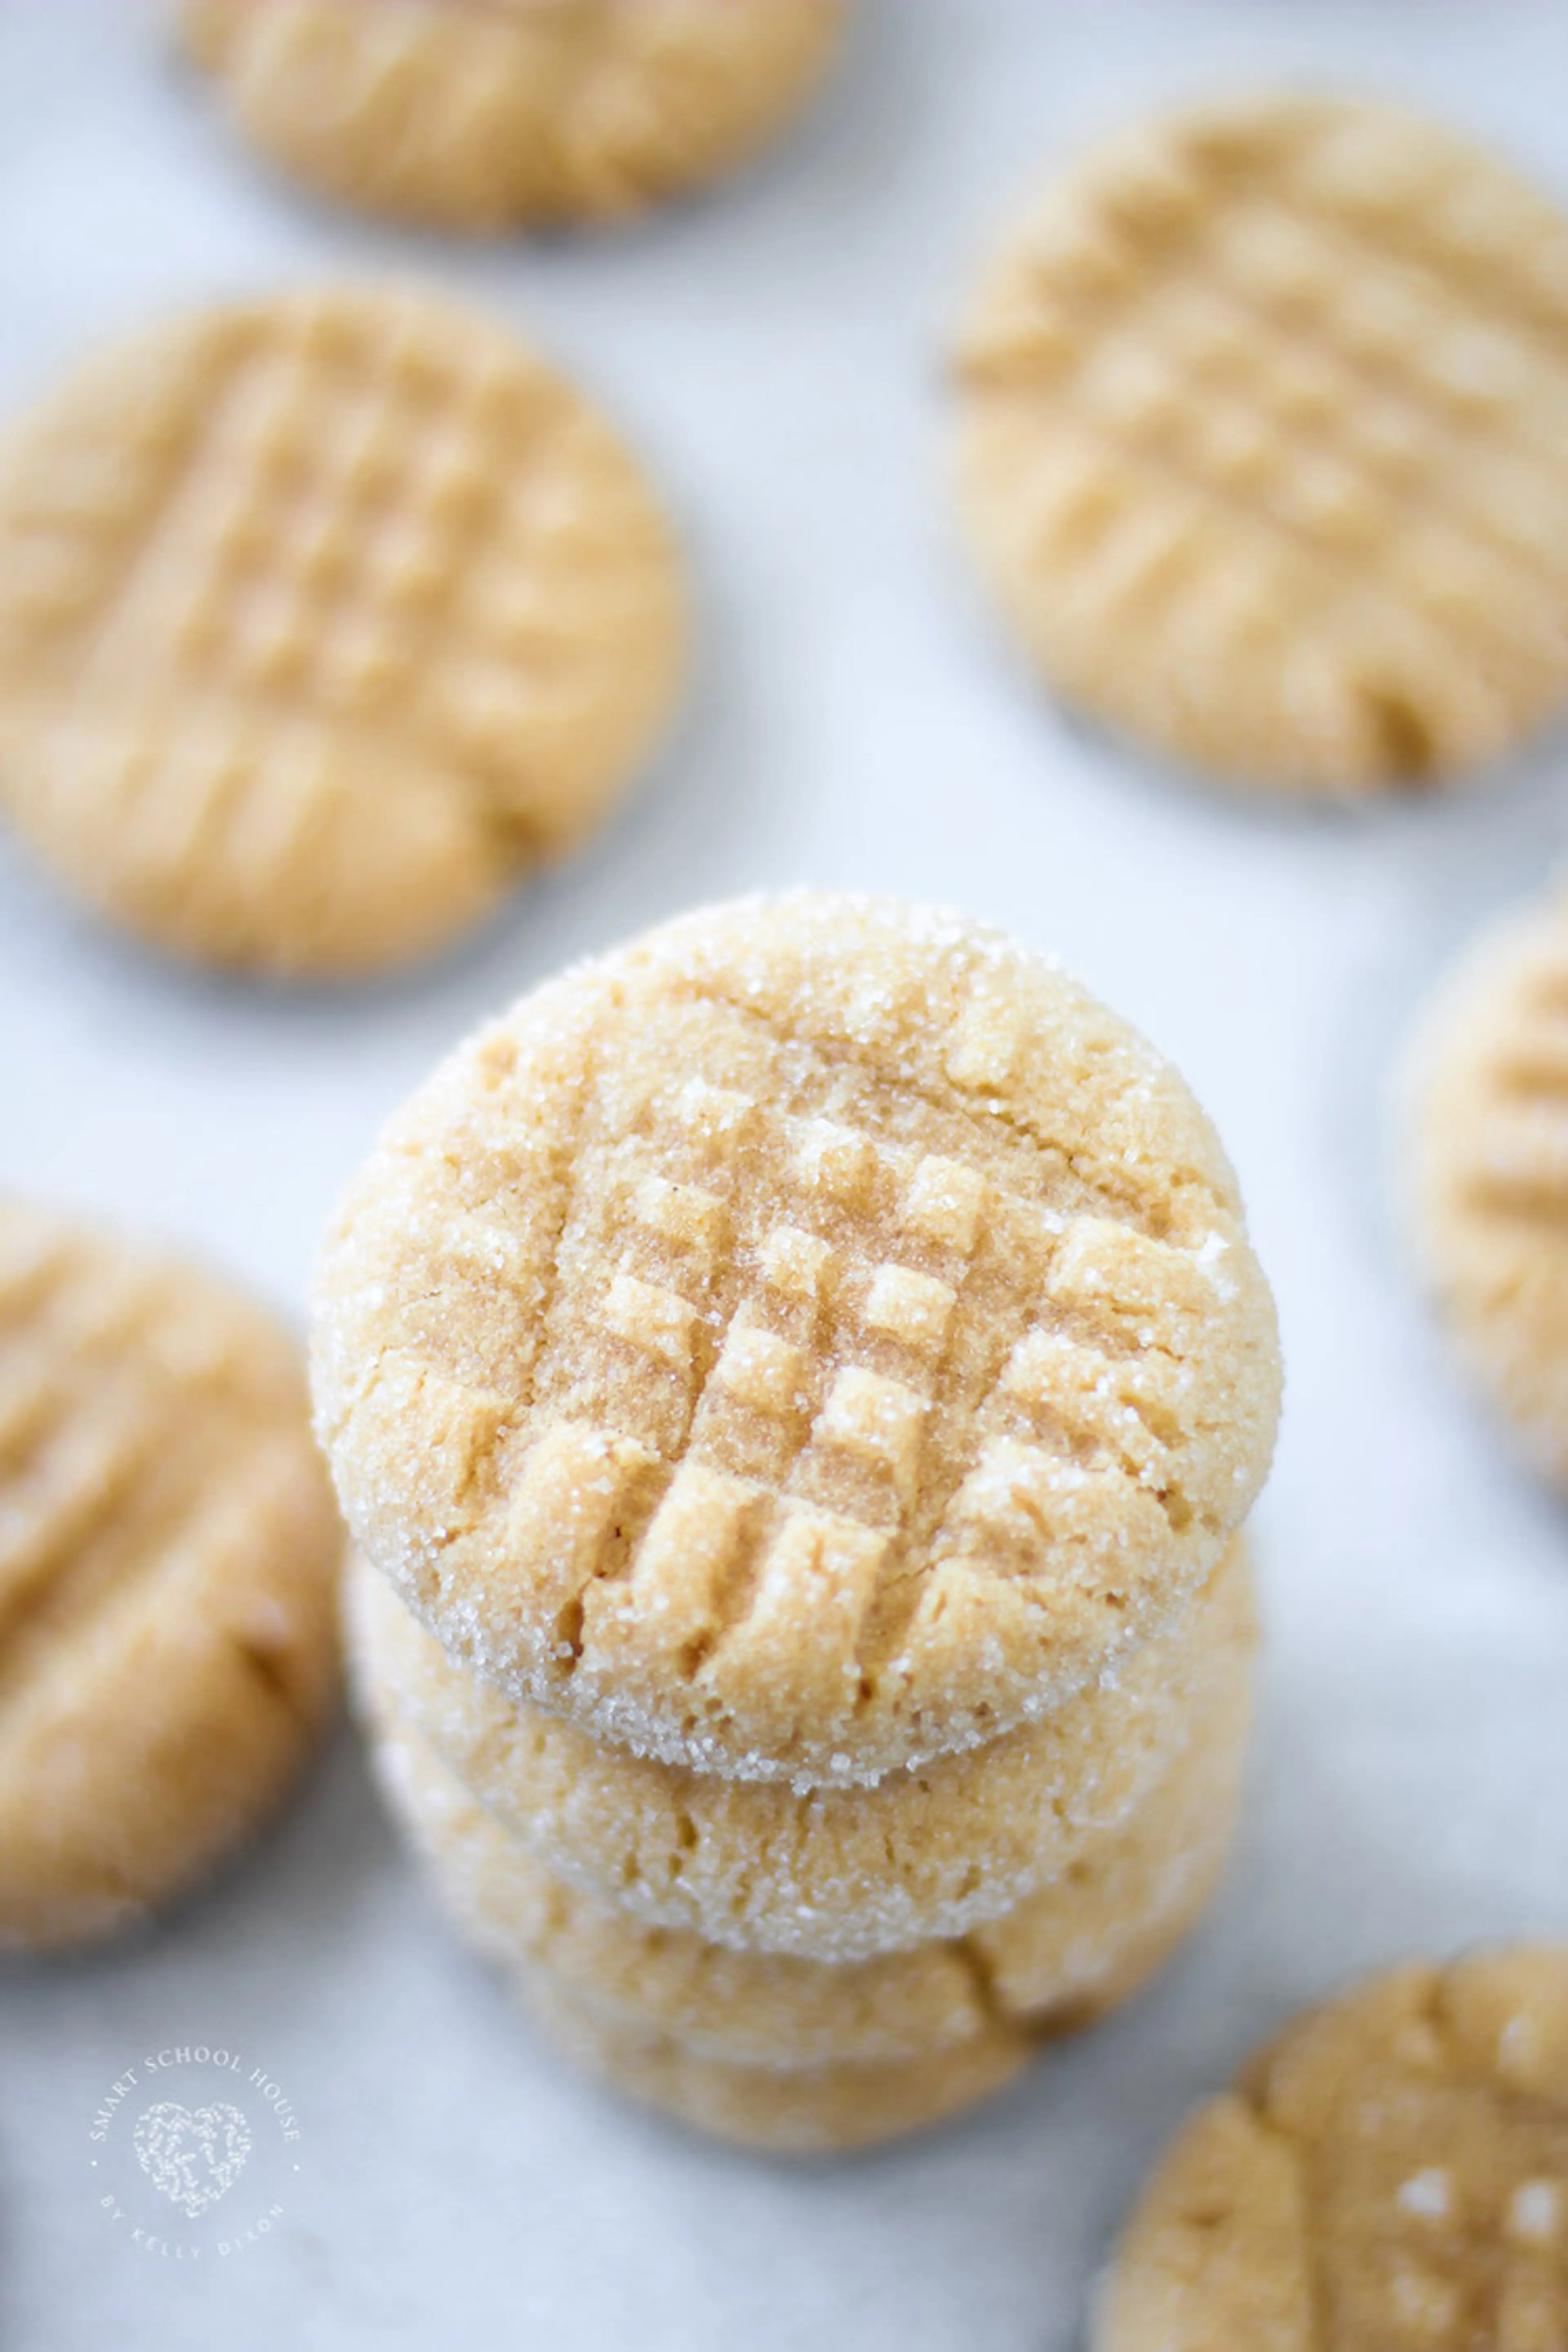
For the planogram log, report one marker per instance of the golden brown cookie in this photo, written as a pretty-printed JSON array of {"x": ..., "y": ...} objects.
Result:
[
  {"x": 815, "y": 1337},
  {"x": 826, "y": 1873},
  {"x": 778, "y": 2110},
  {"x": 1265, "y": 444},
  {"x": 1488, "y": 1088},
  {"x": 490, "y": 114},
  {"x": 1066, "y": 1953},
  {"x": 323, "y": 620},
  {"x": 168, "y": 1567},
  {"x": 1393, "y": 2171}
]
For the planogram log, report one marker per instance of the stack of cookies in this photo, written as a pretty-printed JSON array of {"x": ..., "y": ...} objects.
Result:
[{"x": 795, "y": 1385}]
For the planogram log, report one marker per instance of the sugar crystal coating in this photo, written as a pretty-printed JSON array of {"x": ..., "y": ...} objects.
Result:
[
  {"x": 1064, "y": 1953},
  {"x": 834, "y": 1875}
]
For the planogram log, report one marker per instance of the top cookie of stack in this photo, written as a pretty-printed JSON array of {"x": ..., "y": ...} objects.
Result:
[{"x": 812, "y": 1340}]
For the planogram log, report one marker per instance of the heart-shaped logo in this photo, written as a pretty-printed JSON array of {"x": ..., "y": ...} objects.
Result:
[{"x": 193, "y": 2156}]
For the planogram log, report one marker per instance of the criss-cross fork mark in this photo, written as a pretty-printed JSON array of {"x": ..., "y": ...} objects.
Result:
[
  {"x": 329, "y": 532},
  {"x": 793, "y": 1354},
  {"x": 1392, "y": 2170},
  {"x": 1437, "y": 2209},
  {"x": 490, "y": 112},
  {"x": 1247, "y": 323},
  {"x": 120, "y": 1383},
  {"x": 331, "y": 515}
]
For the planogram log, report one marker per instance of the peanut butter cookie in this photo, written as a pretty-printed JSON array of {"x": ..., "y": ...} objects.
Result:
[
  {"x": 1393, "y": 2170},
  {"x": 324, "y": 619},
  {"x": 813, "y": 1339},
  {"x": 168, "y": 1571},
  {"x": 1265, "y": 444},
  {"x": 491, "y": 114}
]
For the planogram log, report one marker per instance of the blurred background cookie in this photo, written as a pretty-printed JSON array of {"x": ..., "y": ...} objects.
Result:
[
  {"x": 1393, "y": 2170},
  {"x": 324, "y": 619},
  {"x": 169, "y": 1555},
  {"x": 1488, "y": 1090},
  {"x": 493, "y": 114},
  {"x": 1264, "y": 444}
]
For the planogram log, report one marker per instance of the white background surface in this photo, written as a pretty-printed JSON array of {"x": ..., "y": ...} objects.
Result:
[{"x": 776, "y": 353}]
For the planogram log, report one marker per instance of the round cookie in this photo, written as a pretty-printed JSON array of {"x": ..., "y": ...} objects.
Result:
[
  {"x": 815, "y": 1337},
  {"x": 777, "y": 2110},
  {"x": 323, "y": 620},
  {"x": 1068, "y": 1951},
  {"x": 1264, "y": 444},
  {"x": 168, "y": 1569},
  {"x": 1489, "y": 1200},
  {"x": 489, "y": 114},
  {"x": 1393, "y": 2170},
  {"x": 827, "y": 1874}
]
